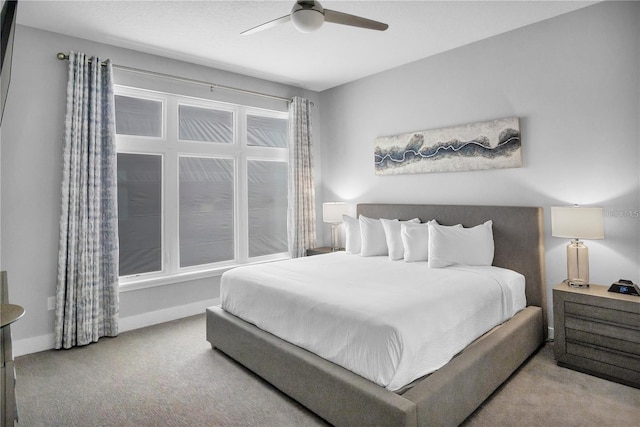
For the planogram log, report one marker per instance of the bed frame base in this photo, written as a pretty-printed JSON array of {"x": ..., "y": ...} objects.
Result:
[
  {"x": 343, "y": 398},
  {"x": 449, "y": 395}
]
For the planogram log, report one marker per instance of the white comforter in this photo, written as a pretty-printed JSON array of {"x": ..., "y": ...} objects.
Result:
[{"x": 388, "y": 321}]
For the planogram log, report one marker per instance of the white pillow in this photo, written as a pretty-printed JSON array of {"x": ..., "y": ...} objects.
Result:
[
  {"x": 466, "y": 246},
  {"x": 372, "y": 237},
  {"x": 352, "y": 242},
  {"x": 415, "y": 241},
  {"x": 393, "y": 238}
]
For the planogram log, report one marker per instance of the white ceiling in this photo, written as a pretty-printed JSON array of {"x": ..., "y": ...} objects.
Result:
[{"x": 208, "y": 32}]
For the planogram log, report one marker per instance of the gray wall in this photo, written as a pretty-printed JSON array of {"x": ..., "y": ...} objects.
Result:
[
  {"x": 574, "y": 81},
  {"x": 31, "y": 162}
]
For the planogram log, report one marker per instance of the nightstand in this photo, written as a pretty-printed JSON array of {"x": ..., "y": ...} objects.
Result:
[
  {"x": 597, "y": 332},
  {"x": 322, "y": 250}
]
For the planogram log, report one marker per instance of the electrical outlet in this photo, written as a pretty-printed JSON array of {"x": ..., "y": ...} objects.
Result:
[{"x": 51, "y": 303}]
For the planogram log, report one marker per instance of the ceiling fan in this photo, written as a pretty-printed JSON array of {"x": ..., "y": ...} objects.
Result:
[{"x": 309, "y": 15}]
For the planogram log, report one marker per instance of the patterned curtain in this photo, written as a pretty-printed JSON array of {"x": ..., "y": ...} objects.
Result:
[
  {"x": 301, "y": 215},
  {"x": 87, "y": 289}
]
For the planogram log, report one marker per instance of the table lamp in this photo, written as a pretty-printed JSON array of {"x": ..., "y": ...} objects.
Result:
[
  {"x": 332, "y": 214},
  {"x": 577, "y": 223}
]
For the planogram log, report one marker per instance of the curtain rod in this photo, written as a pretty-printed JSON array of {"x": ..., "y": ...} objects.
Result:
[{"x": 62, "y": 56}]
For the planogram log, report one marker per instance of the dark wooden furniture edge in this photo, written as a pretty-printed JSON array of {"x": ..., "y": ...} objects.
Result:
[{"x": 8, "y": 406}]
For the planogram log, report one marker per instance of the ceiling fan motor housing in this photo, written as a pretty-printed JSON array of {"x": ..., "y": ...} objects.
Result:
[{"x": 307, "y": 16}]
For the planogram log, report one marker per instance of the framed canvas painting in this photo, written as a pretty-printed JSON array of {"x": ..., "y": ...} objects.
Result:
[{"x": 493, "y": 144}]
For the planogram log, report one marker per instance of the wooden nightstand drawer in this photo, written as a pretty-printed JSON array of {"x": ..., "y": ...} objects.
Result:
[
  {"x": 631, "y": 320},
  {"x": 622, "y": 345},
  {"x": 621, "y": 360},
  {"x": 613, "y": 330},
  {"x": 602, "y": 370}
]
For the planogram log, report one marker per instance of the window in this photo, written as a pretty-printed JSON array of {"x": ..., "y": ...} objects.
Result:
[
  {"x": 135, "y": 116},
  {"x": 205, "y": 124},
  {"x": 140, "y": 213},
  {"x": 267, "y": 199},
  {"x": 206, "y": 210},
  {"x": 202, "y": 185},
  {"x": 267, "y": 131}
]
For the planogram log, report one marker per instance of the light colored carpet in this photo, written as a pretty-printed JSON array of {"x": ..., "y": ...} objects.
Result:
[
  {"x": 541, "y": 393},
  {"x": 167, "y": 375}
]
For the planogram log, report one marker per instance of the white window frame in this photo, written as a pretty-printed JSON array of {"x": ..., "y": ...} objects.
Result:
[{"x": 171, "y": 148}]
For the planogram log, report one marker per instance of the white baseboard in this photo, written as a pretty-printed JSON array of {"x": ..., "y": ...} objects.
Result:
[
  {"x": 33, "y": 345},
  {"x": 165, "y": 315},
  {"x": 47, "y": 342}
]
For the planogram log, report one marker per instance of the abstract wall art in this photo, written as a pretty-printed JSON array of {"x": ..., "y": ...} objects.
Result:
[{"x": 487, "y": 145}]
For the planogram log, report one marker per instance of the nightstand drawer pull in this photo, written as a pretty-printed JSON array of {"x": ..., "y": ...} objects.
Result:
[{"x": 624, "y": 318}]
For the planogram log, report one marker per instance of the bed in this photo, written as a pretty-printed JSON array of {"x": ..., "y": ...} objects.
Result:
[{"x": 444, "y": 397}]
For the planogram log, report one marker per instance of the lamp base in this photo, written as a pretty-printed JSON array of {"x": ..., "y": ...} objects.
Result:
[
  {"x": 335, "y": 237},
  {"x": 577, "y": 264},
  {"x": 577, "y": 283}
]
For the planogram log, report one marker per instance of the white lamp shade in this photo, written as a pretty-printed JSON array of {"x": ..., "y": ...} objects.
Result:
[
  {"x": 574, "y": 222},
  {"x": 332, "y": 212}
]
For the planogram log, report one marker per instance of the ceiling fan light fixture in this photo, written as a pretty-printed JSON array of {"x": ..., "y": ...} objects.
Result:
[
  {"x": 309, "y": 15},
  {"x": 307, "y": 20}
]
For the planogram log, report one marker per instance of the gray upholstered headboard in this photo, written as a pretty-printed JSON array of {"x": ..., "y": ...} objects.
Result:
[{"x": 518, "y": 233}]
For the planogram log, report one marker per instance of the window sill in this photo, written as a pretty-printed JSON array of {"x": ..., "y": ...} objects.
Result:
[{"x": 135, "y": 283}]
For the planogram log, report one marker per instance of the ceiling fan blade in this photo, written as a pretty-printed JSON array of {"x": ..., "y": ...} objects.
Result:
[
  {"x": 267, "y": 25},
  {"x": 353, "y": 20}
]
